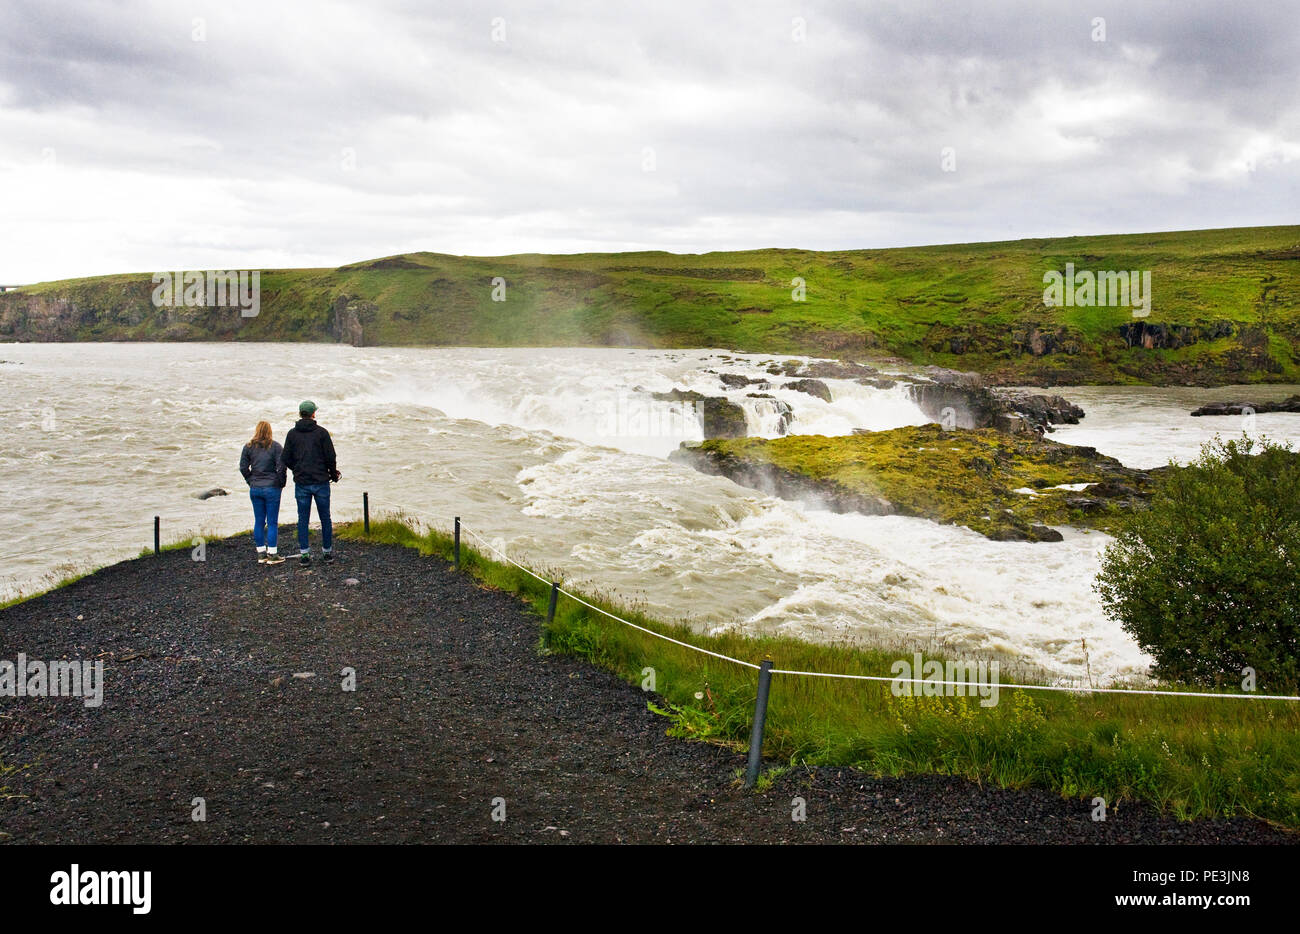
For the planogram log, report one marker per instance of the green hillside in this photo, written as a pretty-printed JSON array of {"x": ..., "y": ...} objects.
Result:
[{"x": 1225, "y": 306}]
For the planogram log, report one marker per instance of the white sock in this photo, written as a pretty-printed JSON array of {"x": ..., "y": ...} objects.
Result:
[
  {"x": 261, "y": 551},
  {"x": 271, "y": 551}
]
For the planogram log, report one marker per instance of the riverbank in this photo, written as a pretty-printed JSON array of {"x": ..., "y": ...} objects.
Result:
[
  {"x": 1219, "y": 307},
  {"x": 455, "y": 706}
]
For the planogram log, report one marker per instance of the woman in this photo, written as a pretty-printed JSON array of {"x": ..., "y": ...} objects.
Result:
[{"x": 261, "y": 463}]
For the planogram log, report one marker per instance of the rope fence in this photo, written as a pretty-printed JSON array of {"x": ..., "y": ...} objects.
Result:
[
  {"x": 94, "y": 538},
  {"x": 765, "y": 669}
]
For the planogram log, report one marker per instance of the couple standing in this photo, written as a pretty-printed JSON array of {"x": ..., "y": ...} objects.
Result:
[{"x": 309, "y": 452}]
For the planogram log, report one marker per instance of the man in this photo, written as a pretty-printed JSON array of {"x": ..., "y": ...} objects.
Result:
[{"x": 309, "y": 453}]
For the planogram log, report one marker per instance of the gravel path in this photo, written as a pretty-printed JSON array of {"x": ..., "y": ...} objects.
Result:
[{"x": 453, "y": 708}]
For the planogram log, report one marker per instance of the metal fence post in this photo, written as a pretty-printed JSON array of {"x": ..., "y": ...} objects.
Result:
[
  {"x": 555, "y": 598},
  {"x": 365, "y": 510},
  {"x": 458, "y": 543},
  {"x": 760, "y": 719},
  {"x": 157, "y": 541}
]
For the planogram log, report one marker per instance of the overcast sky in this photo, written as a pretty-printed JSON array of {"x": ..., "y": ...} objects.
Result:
[{"x": 139, "y": 136}]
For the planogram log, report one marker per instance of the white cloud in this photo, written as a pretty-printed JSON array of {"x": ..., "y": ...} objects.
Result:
[{"x": 320, "y": 134}]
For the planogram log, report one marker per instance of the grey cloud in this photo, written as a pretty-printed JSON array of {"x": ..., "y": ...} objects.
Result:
[{"x": 833, "y": 141}]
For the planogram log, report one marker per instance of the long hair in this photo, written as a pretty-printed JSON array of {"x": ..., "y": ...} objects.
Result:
[{"x": 261, "y": 435}]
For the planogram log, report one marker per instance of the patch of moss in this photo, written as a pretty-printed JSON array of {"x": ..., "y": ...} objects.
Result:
[{"x": 978, "y": 478}]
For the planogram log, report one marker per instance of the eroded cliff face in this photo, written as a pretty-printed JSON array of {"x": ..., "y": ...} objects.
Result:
[
  {"x": 36, "y": 318},
  {"x": 351, "y": 315},
  {"x": 127, "y": 312},
  {"x": 124, "y": 311}
]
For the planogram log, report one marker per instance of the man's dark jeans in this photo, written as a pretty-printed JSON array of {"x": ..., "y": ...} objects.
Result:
[{"x": 304, "y": 493}]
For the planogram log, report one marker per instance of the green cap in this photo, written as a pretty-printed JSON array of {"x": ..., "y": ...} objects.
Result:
[{"x": 306, "y": 408}]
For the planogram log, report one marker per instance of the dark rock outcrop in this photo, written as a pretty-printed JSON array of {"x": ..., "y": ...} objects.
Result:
[
  {"x": 1024, "y": 533},
  {"x": 961, "y": 400},
  {"x": 823, "y": 369},
  {"x": 1154, "y": 336},
  {"x": 784, "y": 414},
  {"x": 1289, "y": 404},
  {"x": 1041, "y": 340},
  {"x": 956, "y": 400},
  {"x": 739, "y": 381},
  {"x": 813, "y": 387},
  {"x": 39, "y": 318},
  {"x": 1041, "y": 411},
  {"x": 350, "y": 317},
  {"x": 722, "y": 418}
]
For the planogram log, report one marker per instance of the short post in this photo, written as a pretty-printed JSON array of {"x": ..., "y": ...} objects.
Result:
[
  {"x": 760, "y": 719},
  {"x": 457, "y": 548},
  {"x": 157, "y": 542},
  {"x": 365, "y": 510},
  {"x": 555, "y": 598}
]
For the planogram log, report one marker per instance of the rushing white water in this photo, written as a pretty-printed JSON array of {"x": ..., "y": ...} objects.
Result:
[{"x": 560, "y": 456}]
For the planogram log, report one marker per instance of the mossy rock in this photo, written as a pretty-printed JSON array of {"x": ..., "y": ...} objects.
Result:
[{"x": 1008, "y": 488}]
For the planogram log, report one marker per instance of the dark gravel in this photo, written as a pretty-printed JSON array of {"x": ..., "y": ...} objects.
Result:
[{"x": 454, "y": 707}]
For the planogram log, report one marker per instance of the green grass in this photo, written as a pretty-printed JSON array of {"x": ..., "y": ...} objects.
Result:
[
  {"x": 75, "y": 572},
  {"x": 58, "y": 584},
  {"x": 912, "y": 302},
  {"x": 1190, "y": 757}
]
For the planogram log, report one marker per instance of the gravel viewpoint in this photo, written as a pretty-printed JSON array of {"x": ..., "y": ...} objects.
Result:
[{"x": 228, "y": 696}]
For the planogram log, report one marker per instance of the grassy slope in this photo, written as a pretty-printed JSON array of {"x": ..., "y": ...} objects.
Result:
[{"x": 911, "y": 302}]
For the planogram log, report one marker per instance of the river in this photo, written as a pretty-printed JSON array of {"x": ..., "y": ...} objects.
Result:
[{"x": 559, "y": 457}]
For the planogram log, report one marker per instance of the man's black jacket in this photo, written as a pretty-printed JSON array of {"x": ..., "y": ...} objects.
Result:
[{"x": 309, "y": 453}]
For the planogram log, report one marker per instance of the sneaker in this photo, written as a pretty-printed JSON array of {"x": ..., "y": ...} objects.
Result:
[
  {"x": 274, "y": 559},
  {"x": 328, "y": 557},
  {"x": 261, "y": 558},
  {"x": 304, "y": 561}
]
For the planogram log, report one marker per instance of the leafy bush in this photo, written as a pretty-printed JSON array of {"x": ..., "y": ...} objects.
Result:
[{"x": 1206, "y": 579}]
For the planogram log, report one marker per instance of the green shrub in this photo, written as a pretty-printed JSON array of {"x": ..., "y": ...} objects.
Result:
[{"x": 1206, "y": 579}]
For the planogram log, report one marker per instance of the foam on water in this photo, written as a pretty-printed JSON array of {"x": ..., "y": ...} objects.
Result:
[{"x": 560, "y": 457}]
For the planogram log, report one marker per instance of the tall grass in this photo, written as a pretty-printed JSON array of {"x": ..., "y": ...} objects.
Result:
[{"x": 1188, "y": 756}]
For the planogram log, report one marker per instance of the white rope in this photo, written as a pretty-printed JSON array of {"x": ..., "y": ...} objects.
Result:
[
  {"x": 75, "y": 541},
  {"x": 571, "y": 596},
  {"x": 88, "y": 538},
  {"x": 502, "y": 554},
  {"x": 848, "y": 677},
  {"x": 658, "y": 635},
  {"x": 1030, "y": 687}
]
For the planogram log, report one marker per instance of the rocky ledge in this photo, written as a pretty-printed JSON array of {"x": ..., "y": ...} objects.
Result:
[
  {"x": 952, "y": 398},
  {"x": 1289, "y": 404},
  {"x": 962, "y": 400},
  {"x": 1006, "y": 487}
]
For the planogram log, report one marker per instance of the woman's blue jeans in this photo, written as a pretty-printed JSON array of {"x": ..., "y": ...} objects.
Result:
[{"x": 266, "y": 515}]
